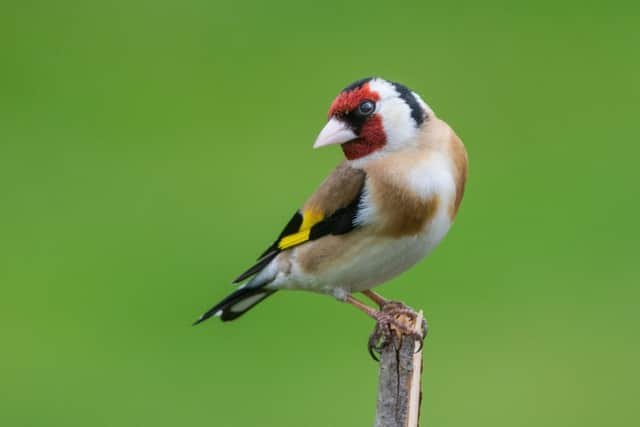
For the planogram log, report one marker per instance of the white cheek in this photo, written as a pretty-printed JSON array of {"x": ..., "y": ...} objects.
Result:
[{"x": 397, "y": 122}]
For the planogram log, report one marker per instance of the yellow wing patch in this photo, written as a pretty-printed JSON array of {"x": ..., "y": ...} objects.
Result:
[
  {"x": 309, "y": 219},
  {"x": 294, "y": 239}
]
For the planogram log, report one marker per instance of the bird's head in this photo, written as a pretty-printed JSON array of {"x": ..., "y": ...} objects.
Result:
[{"x": 373, "y": 115}]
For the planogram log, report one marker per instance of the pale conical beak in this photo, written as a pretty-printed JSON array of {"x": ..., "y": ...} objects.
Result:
[{"x": 334, "y": 132}]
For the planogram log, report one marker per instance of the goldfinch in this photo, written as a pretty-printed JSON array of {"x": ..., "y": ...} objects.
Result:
[{"x": 376, "y": 215}]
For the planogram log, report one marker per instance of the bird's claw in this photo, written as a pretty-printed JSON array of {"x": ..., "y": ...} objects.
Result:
[
  {"x": 395, "y": 320},
  {"x": 382, "y": 335}
]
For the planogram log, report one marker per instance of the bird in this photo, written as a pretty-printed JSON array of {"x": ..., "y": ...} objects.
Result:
[{"x": 384, "y": 207}]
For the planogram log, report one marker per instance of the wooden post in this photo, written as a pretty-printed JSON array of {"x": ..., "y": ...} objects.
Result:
[{"x": 399, "y": 384}]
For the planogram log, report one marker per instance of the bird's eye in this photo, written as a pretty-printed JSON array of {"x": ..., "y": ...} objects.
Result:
[{"x": 366, "y": 107}]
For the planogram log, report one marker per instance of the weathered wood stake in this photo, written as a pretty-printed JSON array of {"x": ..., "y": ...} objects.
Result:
[{"x": 399, "y": 384}]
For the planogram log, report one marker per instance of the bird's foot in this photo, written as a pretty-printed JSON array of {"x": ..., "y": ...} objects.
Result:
[{"x": 393, "y": 321}]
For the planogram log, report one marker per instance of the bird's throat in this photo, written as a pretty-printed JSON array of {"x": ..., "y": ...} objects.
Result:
[
  {"x": 358, "y": 148},
  {"x": 371, "y": 138}
]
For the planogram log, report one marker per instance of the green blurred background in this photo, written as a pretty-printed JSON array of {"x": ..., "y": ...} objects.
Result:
[{"x": 149, "y": 150}]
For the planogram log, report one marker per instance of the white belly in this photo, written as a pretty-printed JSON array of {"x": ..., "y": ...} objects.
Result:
[{"x": 378, "y": 260}]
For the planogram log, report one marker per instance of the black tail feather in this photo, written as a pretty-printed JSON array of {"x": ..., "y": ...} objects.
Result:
[{"x": 236, "y": 304}]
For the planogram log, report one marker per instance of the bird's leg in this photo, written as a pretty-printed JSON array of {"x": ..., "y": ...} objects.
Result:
[
  {"x": 375, "y": 297},
  {"x": 362, "y": 306},
  {"x": 393, "y": 317}
]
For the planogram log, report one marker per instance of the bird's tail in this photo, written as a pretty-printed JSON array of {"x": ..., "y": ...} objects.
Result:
[{"x": 237, "y": 303}]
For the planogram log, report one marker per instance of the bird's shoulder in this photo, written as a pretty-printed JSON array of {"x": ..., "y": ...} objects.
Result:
[
  {"x": 331, "y": 210},
  {"x": 338, "y": 189}
]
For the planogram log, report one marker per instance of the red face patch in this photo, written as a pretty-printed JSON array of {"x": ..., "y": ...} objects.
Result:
[
  {"x": 347, "y": 101},
  {"x": 371, "y": 135},
  {"x": 372, "y": 138}
]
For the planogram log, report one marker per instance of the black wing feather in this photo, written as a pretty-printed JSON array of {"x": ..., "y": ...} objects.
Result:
[
  {"x": 244, "y": 298},
  {"x": 293, "y": 226},
  {"x": 341, "y": 221},
  {"x": 272, "y": 251},
  {"x": 255, "y": 268}
]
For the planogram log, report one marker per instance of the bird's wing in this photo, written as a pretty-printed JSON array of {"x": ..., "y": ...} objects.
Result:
[{"x": 332, "y": 209}]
